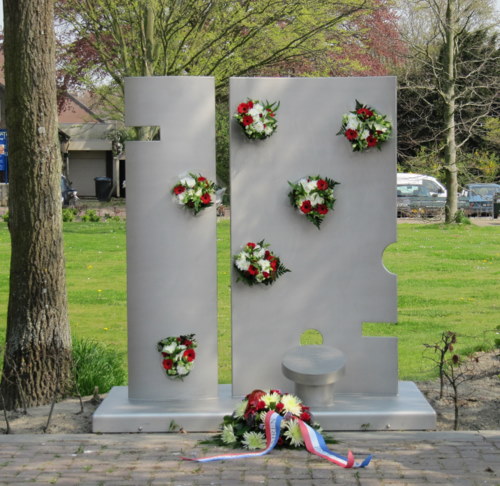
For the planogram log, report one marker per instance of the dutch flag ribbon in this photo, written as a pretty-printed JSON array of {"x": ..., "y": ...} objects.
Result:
[{"x": 313, "y": 440}]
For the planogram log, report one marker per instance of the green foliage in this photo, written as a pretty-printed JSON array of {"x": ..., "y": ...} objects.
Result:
[
  {"x": 5, "y": 217},
  {"x": 91, "y": 216},
  {"x": 199, "y": 38},
  {"x": 96, "y": 365},
  {"x": 68, "y": 214}
]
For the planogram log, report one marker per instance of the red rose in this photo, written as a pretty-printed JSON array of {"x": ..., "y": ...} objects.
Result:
[
  {"x": 274, "y": 264},
  {"x": 179, "y": 189},
  {"x": 321, "y": 209},
  {"x": 261, "y": 405},
  {"x": 189, "y": 354},
  {"x": 243, "y": 108},
  {"x": 251, "y": 245},
  {"x": 372, "y": 141},
  {"x": 322, "y": 185},
  {"x": 266, "y": 274},
  {"x": 279, "y": 407},
  {"x": 247, "y": 120},
  {"x": 205, "y": 198},
  {"x": 268, "y": 255},
  {"x": 305, "y": 416},
  {"x": 187, "y": 342},
  {"x": 202, "y": 179},
  {"x": 252, "y": 270},
  {"x": 351, "y": 134},
  {"x": 250, "y": 104},
  {"x": 365, "y": 113},
  {"x": 168, "y": 364},
  {"x": 306, "y": 207}
]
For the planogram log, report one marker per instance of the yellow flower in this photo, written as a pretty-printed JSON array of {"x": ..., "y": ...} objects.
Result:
[{"x": 291, "y": 404}]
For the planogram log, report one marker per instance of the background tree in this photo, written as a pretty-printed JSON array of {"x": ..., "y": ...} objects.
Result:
[
  {"x": 449, "y": 87},
  {"x": 220, "y": 38},
  {"x": 37, "y": 359}
]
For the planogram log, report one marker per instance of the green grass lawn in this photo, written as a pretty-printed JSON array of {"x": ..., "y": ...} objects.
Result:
[{"x": 448, "y": 279}]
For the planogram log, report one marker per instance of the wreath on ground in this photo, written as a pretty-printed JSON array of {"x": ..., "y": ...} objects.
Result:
[
  {"x": 365, "y": 128},
  {"x": 194, "y": 192},
  {"x": 178, "y": 355},
  {"x": 258, "y": 265},
  {"x": 257, "y": 119},
  {"x": 245, "y": 427},
  {"x": 313, "y": 197}
]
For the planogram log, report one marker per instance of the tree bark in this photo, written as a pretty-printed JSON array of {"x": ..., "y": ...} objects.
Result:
[
  {"x": 450, "y": 153},
  {"x": 37, "y": 359}
]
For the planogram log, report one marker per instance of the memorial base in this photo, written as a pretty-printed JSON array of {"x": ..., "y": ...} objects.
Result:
[{"x": 409, "y": 410}]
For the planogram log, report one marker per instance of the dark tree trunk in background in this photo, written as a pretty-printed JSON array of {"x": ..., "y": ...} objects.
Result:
[{"x": 37, "y": 362}]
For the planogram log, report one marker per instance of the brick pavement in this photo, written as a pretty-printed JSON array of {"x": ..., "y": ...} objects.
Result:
[{"x": 400, "y": 459}]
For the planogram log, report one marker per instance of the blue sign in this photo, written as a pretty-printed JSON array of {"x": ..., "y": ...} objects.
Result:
[{"x": 4, "y": 152}]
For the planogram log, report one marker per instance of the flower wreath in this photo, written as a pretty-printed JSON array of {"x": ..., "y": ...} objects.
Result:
[
  {"x": 257, "y": 265},
  {"x": 245, "y": 427},
  {"x": 313, "y": 197},
  {"x": 365, "y": 128},
  {"x": 194, "y": 192},
  {"x": 178, "y": 355},
  {"x": 257, "y": 119}
]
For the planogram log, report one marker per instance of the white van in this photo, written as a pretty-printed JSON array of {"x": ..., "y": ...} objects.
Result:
[{"x": 434, "y": 187}]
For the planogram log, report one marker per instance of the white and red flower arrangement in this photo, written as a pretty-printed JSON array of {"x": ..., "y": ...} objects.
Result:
[
  {"x": 258, "y": 265},
  {"x": 178, "y": 355},
  {"x": 313, "y": 197},
  {"x": 194, "y": 192},
  {"x": 365, "y": 128},
  {"x": 245, "y": 427},
  {"x": 257, "y": 119}
]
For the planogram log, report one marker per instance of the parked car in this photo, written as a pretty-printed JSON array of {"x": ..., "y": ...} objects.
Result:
[
  {"x": 480, "y": 198},
  {"x": 418, "y": 200},
  {"x": 431, "y": 183},
  {"x": 68, "y": 194}
]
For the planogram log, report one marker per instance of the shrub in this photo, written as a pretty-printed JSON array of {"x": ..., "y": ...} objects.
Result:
[
  {"x": 96, "y": 365},
  {"x": 68, "y": 214},
  {"x": 5, "y": 217},
  {"x": 91, "y": 216}
]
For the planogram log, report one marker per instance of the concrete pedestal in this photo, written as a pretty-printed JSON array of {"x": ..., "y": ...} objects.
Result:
[{"x": 408, "y": 410}]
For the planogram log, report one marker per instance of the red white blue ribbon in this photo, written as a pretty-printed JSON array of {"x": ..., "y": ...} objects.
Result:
[{"x": 313, "y": 440}]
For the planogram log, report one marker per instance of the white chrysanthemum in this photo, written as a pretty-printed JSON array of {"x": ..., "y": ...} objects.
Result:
[
  {"x": 291, "y": 404},
  {"x": 268, "y": 130},
  {"x": 227, "y": 435},
  {"x": 198, "y": 193},
  {"x": 303, "y": 182},
  {"x": 380, "y": 128},
  {"x": 315, "y": 198},
  {"x": 311, "y": 185},
  {"x": 242, "y": 263},
  {"x": 260, "y": 278},
  {"x": 181, "y": 197},
  {"x": 269, "y": 398},
  {"x": 170, "y": 348},
  {"x": 293, "y": 433},
  {"x": 256, "y": 110},
  {"x": 254, "y": 440},
  {"x": 182, "y": 371},
  {"x": 259, "y": 252},
  {"x": 364, "y": 134},
  {"x": 240, "y": 409},
  {"x": 265, "y": 265},
  {"x": 352, "y": 121},
  {"x": 188, "y": 181},
  {"x": 258, "y": 126}
]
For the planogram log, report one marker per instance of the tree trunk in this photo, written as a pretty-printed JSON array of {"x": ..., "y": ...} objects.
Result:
[
  {"x": 37, "y": 359},
  {"x": 450, "y": 154}
]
